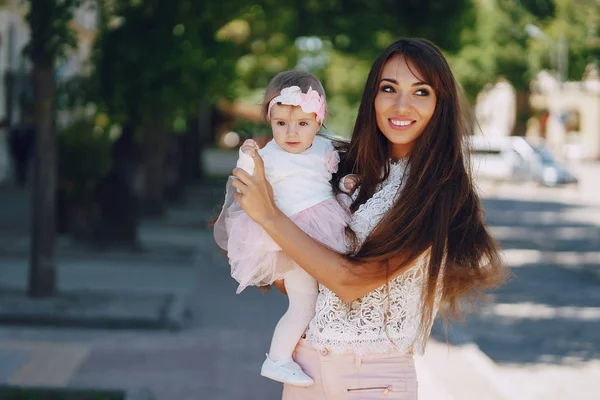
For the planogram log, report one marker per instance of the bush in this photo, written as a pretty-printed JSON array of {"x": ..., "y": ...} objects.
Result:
[{"x": 83, "y": 159}]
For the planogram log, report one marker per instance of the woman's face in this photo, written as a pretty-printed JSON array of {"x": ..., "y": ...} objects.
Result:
[{"x": 404, "y": 105}]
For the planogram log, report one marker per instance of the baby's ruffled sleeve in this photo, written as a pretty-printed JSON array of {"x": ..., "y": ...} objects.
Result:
[{"x": 332, "y": 161}]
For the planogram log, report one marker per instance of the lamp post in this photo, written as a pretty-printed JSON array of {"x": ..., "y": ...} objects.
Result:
[
  {"x": 559, "y": 56},
  {"x": 555, "y": 130}
]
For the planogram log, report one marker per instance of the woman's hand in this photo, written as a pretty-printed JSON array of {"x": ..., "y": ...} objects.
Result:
[{"x": 254, "y": 193}]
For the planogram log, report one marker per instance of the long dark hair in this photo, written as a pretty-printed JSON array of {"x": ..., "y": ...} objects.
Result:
[{"x": 438, "y": 211}]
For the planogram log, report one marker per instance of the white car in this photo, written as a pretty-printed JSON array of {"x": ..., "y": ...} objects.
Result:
[{"x": 515, "y": 158}]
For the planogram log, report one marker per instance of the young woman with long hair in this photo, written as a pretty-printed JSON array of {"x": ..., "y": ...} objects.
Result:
[{"x": 419, "y": 242}]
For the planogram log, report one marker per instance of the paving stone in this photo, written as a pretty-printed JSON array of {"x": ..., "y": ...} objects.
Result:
[{"x": 10, "y": 362}]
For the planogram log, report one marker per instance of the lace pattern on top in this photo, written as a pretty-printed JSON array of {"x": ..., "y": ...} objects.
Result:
[{"x": 361, "y": 326}]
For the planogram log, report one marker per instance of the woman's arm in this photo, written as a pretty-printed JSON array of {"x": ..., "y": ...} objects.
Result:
[{"x": 330, "y": 268}]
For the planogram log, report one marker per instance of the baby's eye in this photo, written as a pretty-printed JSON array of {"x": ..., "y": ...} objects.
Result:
[
  {"x": 280, "y": 123},
  {"x": 303, "y": 123}
]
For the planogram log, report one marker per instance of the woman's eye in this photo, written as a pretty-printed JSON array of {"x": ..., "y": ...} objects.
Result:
[
  {"x": 387, "y": 89},
  {"x": 422, "y": 92}
]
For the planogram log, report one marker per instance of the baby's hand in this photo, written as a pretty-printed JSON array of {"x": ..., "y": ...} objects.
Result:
[
  {"x": 245, "y": 160},
  {"x": 248, "y": 146},
  {"x": 348, "y": 183}
]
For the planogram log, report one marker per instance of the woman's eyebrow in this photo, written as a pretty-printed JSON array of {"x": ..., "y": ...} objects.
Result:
[{"x": 419, "y": 83}]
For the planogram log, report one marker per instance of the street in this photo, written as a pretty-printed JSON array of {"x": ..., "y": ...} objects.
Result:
[{"x": 537, "y": 339}]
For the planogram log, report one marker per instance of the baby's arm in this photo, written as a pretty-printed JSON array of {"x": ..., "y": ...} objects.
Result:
[
  {"x": 245, "y": 161},
  {"x": 348, "y": 183}
]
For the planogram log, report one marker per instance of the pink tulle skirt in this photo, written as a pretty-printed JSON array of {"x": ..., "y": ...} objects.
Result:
[{"x": 256, "y": 260}]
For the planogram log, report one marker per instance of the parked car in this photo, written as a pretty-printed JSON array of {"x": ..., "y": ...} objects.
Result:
[{"x": 515, "y": 158}]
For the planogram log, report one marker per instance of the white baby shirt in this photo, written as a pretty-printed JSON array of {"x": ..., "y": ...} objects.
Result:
[{"x": 301, "y": 180}]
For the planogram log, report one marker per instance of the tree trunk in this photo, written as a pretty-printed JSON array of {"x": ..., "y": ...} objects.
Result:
[
  {"x": 154, "y": 144},
  {"x": 117, "y": 196},
  {"x": 199, "y": 135},
  {"x": 42, "y": 272}
]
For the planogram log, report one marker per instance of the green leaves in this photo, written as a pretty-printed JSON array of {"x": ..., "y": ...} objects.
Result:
[
  {"x": 165, "y": 57},
  {"x": 51, "y": 35},
  {"x": 497, "y": 43}
]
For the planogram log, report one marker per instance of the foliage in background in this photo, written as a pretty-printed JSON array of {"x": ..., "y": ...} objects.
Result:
[
  {"x": 51, "y": 36},
  {"x": 161, "y": 56},
  {"x": 579, "y": 22},
  {"x": 497, "y": 43},
  {"x": 84, "y": 148},
  {"x": 203, "y": 50},
  {"x": 249, "y": 129},
  {"x": 350, "y": 34}
]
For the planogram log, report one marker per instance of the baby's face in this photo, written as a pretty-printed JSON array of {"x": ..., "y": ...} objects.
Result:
[{"x": 293, "y": 129}]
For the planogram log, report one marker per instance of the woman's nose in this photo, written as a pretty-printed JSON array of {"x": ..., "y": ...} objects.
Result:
[{"x": 402, "y": 102}]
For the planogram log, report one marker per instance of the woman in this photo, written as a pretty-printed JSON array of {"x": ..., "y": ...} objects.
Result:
[{"x": 419, "y": 238}]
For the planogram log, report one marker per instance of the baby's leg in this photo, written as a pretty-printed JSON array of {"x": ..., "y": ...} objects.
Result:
[{"x": 302, "y": 290}]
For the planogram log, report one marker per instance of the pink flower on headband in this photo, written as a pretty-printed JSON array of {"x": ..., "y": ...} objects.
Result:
[
  {"x": 309, "y": 102},
  {"x": 312, "y": 103}
]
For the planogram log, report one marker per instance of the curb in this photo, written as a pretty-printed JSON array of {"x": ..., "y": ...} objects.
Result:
[
  {"x": 105, "y": 310},
  {"x": 178, "y": 313}
]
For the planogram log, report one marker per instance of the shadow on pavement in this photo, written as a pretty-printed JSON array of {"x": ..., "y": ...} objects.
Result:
[{"x": 550, "y": 311}]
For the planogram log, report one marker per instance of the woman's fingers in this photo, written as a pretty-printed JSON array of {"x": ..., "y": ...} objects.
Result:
[
  {"x": 242, "y": 175},
  {"x": 239, "y": 186},
  {"x": 238, "y": 197},
  {"x": 259, "y": 166},
  {"x": 254, "y": 193}
]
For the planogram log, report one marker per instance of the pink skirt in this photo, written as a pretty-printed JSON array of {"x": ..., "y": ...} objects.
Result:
[{"x": 256, "y": 260}]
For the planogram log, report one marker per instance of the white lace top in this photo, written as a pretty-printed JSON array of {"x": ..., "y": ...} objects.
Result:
[{"x": 358, "y": 326}]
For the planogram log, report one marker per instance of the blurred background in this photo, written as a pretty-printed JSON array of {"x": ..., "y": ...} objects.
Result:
[{"x": 120, "y": 120}]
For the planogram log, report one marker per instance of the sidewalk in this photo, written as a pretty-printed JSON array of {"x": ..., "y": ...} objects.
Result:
[{"x": 219, "y": 354}]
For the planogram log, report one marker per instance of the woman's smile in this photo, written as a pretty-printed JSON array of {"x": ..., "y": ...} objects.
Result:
[{"x": 401, "y": 124}]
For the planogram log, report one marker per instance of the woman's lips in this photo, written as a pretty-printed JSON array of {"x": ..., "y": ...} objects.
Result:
[{"x": 401, "y": 124}]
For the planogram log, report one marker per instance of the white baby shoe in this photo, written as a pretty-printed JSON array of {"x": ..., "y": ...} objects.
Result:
[{"x": 285, "y": 371}]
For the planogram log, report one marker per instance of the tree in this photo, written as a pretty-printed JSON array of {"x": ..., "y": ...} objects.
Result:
[
  {"x": 50, "y": 38},
  {"x": 155, "y": 67},
  {"x": 496, "y": 43},
  {"x": 350, "y": 34},
  {"x": 361, "y": 28},
  {"x": 576, "y": 22}
]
